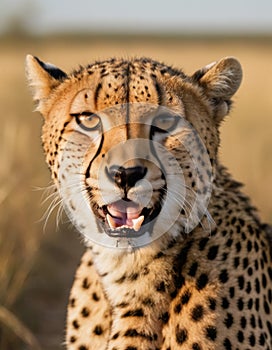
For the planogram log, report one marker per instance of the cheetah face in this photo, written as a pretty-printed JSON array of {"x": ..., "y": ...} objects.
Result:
[
  {"x": 132, "y": 176},
  {"x": 131, "y": 144}
]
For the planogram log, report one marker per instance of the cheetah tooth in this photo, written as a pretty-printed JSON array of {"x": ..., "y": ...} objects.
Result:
[
  {"x": 111, "y": 222},
  {"x": 137, "y": 223}
]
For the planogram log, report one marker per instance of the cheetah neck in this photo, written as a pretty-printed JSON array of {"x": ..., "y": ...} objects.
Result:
[{"x": 156, "y": 272}]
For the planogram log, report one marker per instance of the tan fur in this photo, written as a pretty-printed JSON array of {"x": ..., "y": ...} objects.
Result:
[{"x": 205, "y": 284}]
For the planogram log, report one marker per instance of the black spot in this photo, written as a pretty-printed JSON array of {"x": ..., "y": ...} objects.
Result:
[
  {"x": 95, "y": 297},
  {"x": 85, "y": 312},
  {"x": 250, "y": 271},
  {"x": 238, "y": 247},
  {"x": 240, "y": 336},
  {"x": 257, "y": 285},
  {"x": 264, "y": 281},
  {"x": 228, "y": 320},
  {"x": 212, "y": 303},
  {"x": 82, "y": 347},
  {"x": 245, "y": 263},
  {"x": 256, "y": 247},
  {"x": 159, "y": 255},
  {"x": 227, "y": 344},
  {"x": 243, "y": 322},
  {"x": 181, "y": 335},
  {"x": 225, "y": 303},
  {"x": 185, "y": 297},
  {"x": 90, "y": 263},
  {"x": 266, "y": 307},
  {"x": 75, "y": 324},
  {"x": 133, "y": 276},
  {"x": 196, "y": 346},
  {"x": 212, "y": 253},
  {"x": 250, "y": 304},
  {"x": 85, "y": 283},
  {"x": 253, "y": 321},
  {"x": 182, "y": 256},
  {"x": 197, "y": 313},
  {"x": 134, "y": 313},
  {"x": 249, "y": 246},
  {"x": 270, "y": 295},
  {"x": 236, "y": 261},
  {"x": 98, "y": 330},
  {"x": 148, "y": 302},
  {"x": 131, "y": 333},
  {"x": 193, "y": 269},
  {"x": 231, "y": 292},
  {"x": 161, "y": 287},
  {"x": 241, "y": 282},
  {"x": 131, "y": 348},
  {"x": 177, "y": 308},
  {"x": 225, "y": 256},
  {"x": 115, "y": 336},
  {"x": 233, "y": 220},
  {"x": 122, "y": 305},
  {"x": 164, "y": 317},
  {"x": 202, "y": 281},
  {"x": 252, "y": 339},
  {"x": 270, "y": 272},
  {"x": 269, "y": 326},
  {"x": 257, "y": 304},
  {"x": 240, "y": 304},
  {"x": 146, "y": 271},
  {"x": 211, "y": 333},
  {"x": 248, "y": 288},
  {"x": 242, "y": 222},
  {"x": 72, "y": 302},
  {"x": 250, "y": 229},
  {"x": 121, "y": 279},
  {"x": 238, "y": 230},
  {"x": 202, "y": 245},
  {"x": 224, "y": 276},
  {"x": 262, "y": 339},
  {"x": 72, "y": 339},
  {"x": 229, "y": 242}
]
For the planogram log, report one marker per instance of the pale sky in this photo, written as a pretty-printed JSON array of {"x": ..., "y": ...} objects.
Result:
[{"x": 180, "y": 16}]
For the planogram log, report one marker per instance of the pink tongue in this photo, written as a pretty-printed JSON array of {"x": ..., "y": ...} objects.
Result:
[{"x": 123, "y": 212}]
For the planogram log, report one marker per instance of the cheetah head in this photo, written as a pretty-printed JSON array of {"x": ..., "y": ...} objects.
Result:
[{"x": 132, "y": 145}]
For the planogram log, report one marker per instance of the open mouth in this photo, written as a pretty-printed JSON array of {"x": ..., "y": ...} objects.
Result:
[{"x": 125, "y": 218}]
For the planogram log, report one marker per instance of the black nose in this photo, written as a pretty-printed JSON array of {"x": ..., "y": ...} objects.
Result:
[{"x": 126, "y": 177}]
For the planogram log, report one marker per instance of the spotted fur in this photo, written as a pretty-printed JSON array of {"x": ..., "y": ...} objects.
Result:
[{"x": 201, "y": 290}]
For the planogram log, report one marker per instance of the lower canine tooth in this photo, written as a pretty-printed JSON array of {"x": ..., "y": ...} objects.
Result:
[
  {"x": 110, "y": 221},
  {"x": 137, "y": 223}
]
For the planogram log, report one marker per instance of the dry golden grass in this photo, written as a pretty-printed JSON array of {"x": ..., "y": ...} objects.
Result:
[{"x": 36, "y": 269}]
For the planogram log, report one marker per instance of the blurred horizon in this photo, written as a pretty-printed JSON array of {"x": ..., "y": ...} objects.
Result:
[{"x": 235, "y": 17}]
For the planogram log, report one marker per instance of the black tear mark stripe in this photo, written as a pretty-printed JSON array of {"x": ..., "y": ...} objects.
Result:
[
  {"x": 127, "y": 82},
  {"x": 87, "y": 174},
  {"x": 159, "y": 92},
  {"x": 96, "y": 94}
]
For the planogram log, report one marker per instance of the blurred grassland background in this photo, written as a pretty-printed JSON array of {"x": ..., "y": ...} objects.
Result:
[{"x": 36, "y": 264}]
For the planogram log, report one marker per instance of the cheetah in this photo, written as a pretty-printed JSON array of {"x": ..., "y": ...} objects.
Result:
[{"x": 176, "y": 255}]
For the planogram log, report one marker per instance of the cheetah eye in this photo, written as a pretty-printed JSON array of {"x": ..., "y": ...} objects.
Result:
[
  {"x": 165, "y": 122},
  {"x": 88, "y": 121}
]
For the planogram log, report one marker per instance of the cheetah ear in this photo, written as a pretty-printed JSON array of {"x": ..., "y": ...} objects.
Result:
[
  {"x": 220, "y": 81},
  {"x": 42, "y": 77}
]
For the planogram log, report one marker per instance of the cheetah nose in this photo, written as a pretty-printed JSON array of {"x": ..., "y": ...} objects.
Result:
[{"x": 126, "y": 177}]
